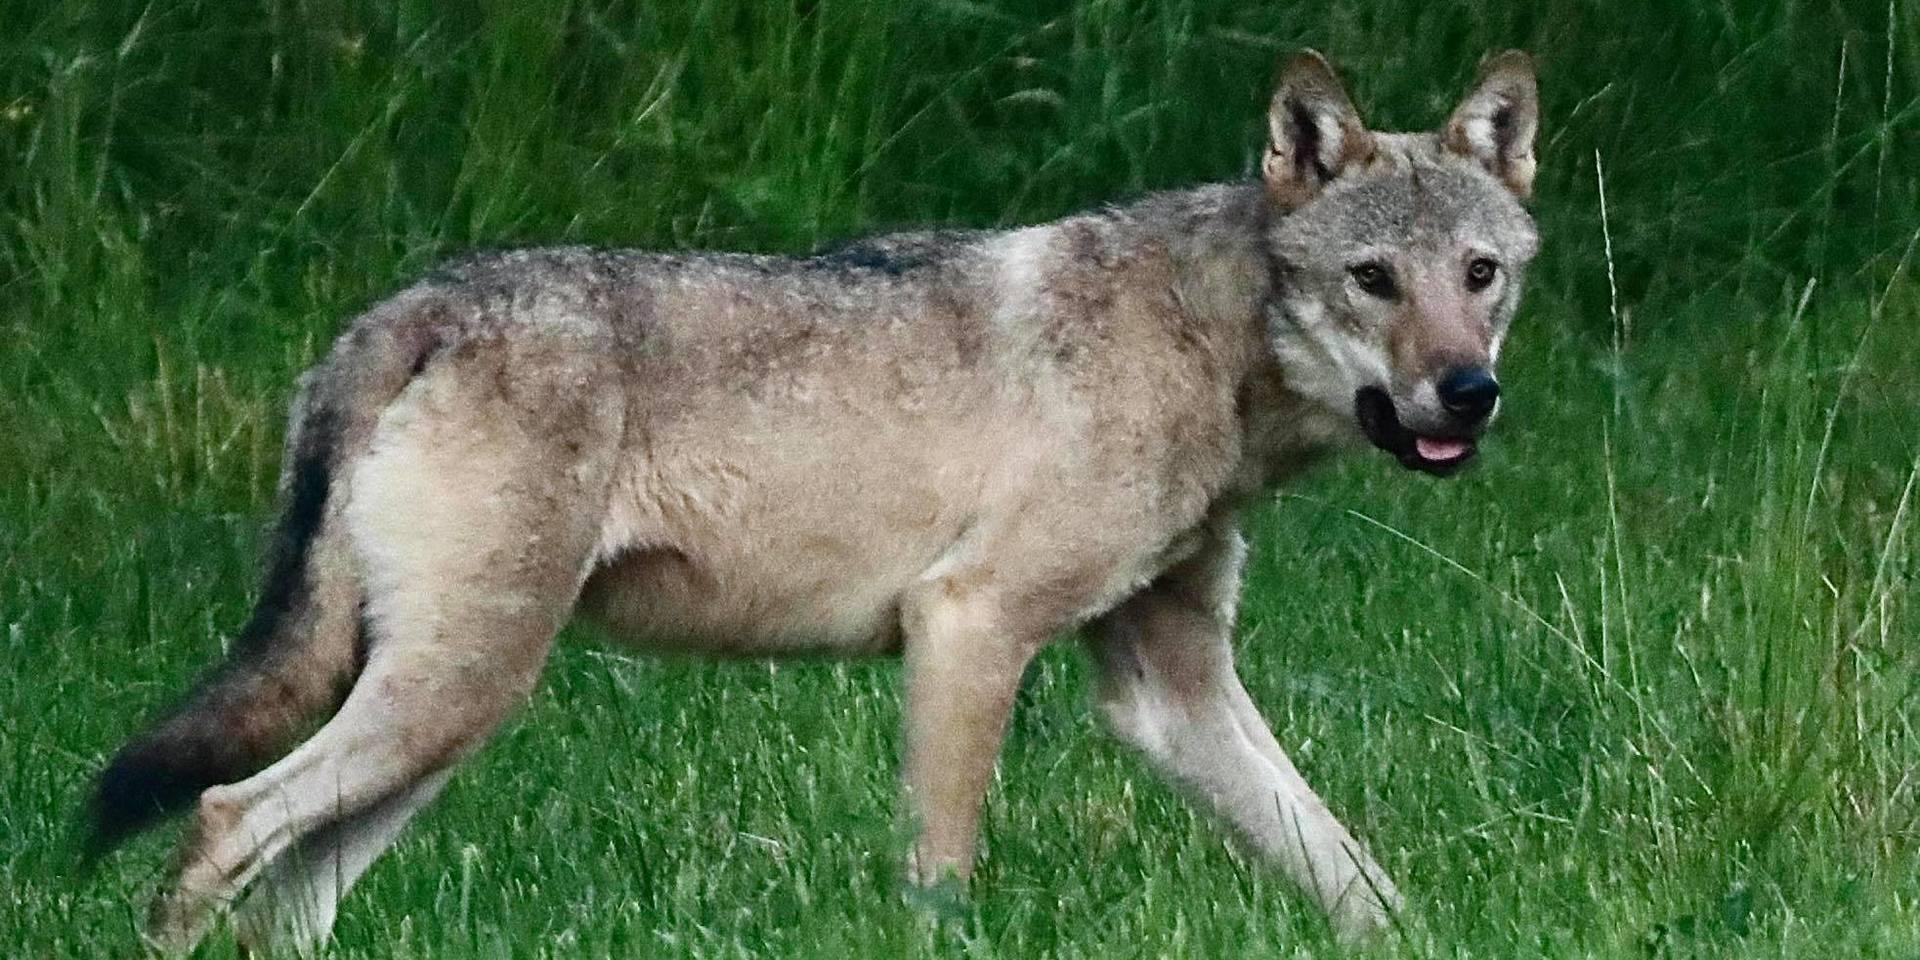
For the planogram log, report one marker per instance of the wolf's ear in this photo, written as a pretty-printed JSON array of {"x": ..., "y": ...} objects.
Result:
[
  {"x": 1495, "y": 124},
  {"x": 1313, "y": 132}
]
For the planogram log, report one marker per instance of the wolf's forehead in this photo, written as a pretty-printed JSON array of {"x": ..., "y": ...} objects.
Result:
[{"x": 1417, "y": 200}]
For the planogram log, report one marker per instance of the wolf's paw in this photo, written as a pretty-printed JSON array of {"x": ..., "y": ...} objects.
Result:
[
  {"x": 940, "y": 894},
  {"x": 178, "y": 921},
  {"x": 1366, "y": 912}
]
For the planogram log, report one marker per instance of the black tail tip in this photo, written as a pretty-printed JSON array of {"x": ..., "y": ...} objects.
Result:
[{"x": 140, "y": 788}]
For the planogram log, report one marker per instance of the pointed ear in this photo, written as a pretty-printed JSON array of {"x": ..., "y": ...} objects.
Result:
[
  {"x": 1313, "y": 132},
  {"x": 1494, "y": 126}
]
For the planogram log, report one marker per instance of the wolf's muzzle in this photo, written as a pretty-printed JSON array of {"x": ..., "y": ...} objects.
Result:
[
  {"x": 1436, "y": 454},
  {"x": 1469, "y": 394}
]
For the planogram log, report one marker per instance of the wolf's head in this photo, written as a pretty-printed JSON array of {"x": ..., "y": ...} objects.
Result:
[{"x": 1400, "y": 255}]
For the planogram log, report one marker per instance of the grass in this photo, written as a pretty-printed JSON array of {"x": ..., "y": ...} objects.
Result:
[{"x": 1642, "y": 684}]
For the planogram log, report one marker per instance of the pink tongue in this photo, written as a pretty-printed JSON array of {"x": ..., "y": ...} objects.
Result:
[{"x": 1430, "y": 448}]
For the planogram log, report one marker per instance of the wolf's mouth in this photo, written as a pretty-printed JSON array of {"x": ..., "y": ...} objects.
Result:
[{"x": 1435, "y": 454}]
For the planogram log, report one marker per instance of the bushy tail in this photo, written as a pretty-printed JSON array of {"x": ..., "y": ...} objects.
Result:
[
  {"x": 304, "y": 644},
  {"x": 278, "y": 674}
]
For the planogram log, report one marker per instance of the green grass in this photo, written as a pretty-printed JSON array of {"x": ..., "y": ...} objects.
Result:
[{"x": 1642, "y": 684}]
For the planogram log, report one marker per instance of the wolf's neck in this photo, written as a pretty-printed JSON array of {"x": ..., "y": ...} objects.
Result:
[{"x": 1215, "y": 236}]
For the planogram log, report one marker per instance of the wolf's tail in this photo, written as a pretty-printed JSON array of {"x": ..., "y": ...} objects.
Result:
[{"x": 305, "y": 643}]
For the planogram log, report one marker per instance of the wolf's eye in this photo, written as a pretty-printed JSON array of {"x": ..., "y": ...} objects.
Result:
[
  {"x": 1480, "y": 273},
  {"x": 1374, "y": 279}
]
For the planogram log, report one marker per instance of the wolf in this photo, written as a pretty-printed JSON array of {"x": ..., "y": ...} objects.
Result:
[{"x": 952, "y": 446}]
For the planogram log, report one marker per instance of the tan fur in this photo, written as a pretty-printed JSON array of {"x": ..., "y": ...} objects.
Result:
[{"x": 951, "y": 446}]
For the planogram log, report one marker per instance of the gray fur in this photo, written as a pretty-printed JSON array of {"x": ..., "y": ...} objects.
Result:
[{"x": 951, "y": 445}]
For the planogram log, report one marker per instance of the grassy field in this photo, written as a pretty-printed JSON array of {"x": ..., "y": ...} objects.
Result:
[{"x": 1640, "y": 685}]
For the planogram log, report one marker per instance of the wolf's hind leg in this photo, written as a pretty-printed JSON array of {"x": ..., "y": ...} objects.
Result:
[
  {"x": 474, "y": 518},
  {"x": 1167, "y": 685},
  {"x": 300, "y": 891}
]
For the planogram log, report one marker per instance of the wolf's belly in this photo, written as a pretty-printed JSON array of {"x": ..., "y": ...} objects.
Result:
[
  {"x": 662, "y": 600},
  {"x": 790, "y": 528}
]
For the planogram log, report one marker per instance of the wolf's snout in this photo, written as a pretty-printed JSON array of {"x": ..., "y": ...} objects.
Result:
[{"x": 1469, "y": 393}]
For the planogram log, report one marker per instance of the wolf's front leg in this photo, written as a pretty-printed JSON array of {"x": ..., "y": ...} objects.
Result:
[
  {"x": 965, "y": 652},
  {"x": 1167, "y": 686}
]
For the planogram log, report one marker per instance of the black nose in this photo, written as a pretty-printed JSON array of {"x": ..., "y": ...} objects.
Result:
[{"x": 1468, "y": 393}]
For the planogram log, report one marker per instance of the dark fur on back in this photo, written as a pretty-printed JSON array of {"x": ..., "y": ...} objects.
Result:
[{"x": 160, "y": 772}]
